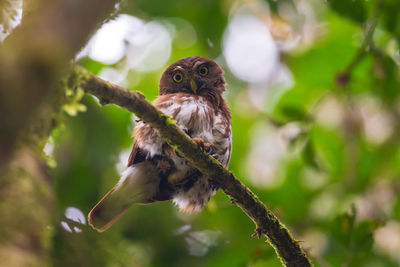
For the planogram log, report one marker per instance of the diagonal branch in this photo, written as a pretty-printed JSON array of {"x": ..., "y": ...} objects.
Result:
[{"x": 288, "y": 249}]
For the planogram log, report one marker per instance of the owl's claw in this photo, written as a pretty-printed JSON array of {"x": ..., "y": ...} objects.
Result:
[
  {"x": 212, "y": 153},
  {"x": 210, "y": 150},
  {"x": 201, "y": 144},
  {"x": 204, "y": 147}
]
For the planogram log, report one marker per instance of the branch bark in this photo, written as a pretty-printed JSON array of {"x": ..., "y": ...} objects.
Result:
[{"x": 288, "y": 249}]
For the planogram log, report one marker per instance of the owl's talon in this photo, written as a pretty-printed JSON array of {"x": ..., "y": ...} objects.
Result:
[
  {"x": 210, "y": 150},
  {"x": 214, "y": 155},
  {"x": 200, "y": 143},
  {"x": 202, "y": 147}
]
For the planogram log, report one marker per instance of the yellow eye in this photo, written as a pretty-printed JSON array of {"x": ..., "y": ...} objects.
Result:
[
  {"x": 203, "y": 70},
  {"x": 178, "y": 77}
]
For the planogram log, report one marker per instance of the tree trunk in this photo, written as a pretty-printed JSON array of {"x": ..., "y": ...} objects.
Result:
[{"x": 34, "y": 58}]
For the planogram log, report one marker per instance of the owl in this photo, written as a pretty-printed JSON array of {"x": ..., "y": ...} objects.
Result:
[{"x": 190, "y": 91}]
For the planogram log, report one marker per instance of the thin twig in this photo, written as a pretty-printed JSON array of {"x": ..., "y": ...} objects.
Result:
[
  {"x": 343, "y": 78},
  {"x": 288, "y": 249}
]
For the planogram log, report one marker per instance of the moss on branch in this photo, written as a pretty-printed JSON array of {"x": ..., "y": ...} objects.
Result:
[{"x": 288, "y": 249}]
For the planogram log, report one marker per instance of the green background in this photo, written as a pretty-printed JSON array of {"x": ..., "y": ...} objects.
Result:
[{"x": 334, "y": 186}]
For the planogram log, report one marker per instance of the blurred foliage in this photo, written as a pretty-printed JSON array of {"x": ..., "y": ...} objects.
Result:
[
  {"x": 352, "y": 238},
  {"x": 334, "y": 182},
  {"x": 355, "y": 10}
]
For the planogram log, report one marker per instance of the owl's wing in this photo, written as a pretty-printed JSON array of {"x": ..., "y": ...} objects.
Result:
[
  {"x": 147, "y": 144},
  {"x": 137, "y": 155},
  {"x": 140, "y": 183}
]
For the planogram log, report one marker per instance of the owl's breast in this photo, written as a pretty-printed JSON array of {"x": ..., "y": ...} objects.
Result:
[{"x": 197, "y": 116}]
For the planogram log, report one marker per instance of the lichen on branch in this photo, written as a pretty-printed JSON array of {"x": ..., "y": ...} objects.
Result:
[{"x": 288, "y": 249}]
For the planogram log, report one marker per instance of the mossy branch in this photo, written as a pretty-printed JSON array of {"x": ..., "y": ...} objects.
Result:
[{"x": 288, "y": 249}]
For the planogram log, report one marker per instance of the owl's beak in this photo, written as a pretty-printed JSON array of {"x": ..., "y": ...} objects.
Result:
[{"x": 193, "y": 84}]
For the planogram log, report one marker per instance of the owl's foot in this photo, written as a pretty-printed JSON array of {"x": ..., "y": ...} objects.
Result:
[
  {"x": 206, "y": 147},
  {"x": 203, "y": 145}
]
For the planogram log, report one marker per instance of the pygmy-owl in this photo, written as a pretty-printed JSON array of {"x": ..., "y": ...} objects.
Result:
[{"x": 191, "y": 92}]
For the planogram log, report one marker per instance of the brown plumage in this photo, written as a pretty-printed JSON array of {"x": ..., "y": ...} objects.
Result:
[{"x": 191, "y": 92}]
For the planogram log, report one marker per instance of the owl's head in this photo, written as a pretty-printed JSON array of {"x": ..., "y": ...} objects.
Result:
[{"x": 193, "y": 75}]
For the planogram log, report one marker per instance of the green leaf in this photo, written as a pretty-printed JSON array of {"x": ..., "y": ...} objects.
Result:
[
  {"x": 329, "y": 149},
  {"x": 363, "y": 236},
  {"x": 353, "y": 9},
  {"x": 343, "y": 226},
  {"x": 387, "y": 79},
  {"x": 309, "y": 157},
  {"x": 356, "y": 238},
  {"x": 294, "y": 113},
  {"x": 391, "y": 16}
]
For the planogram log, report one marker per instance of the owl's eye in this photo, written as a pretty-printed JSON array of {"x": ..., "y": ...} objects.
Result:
[
  {"x": 203, "y": 70},
  {"x": 178, "y": 77}
]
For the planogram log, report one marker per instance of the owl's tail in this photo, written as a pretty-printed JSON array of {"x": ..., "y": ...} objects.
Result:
[{"x": 138, "y": 184}]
